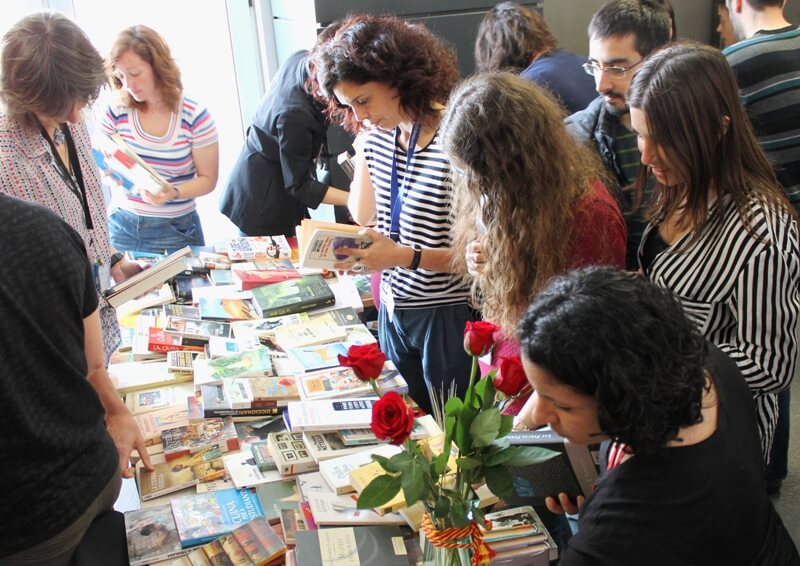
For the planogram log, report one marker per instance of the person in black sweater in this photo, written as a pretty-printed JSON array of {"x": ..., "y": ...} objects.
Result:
[
  {"x": 273, "y": 183},
  {"x": 67, "y": 436},
  {"x": 612, "y": 357}
]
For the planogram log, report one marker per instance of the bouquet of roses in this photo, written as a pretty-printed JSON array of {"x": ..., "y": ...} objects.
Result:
[{"x": 475, "y": 431}]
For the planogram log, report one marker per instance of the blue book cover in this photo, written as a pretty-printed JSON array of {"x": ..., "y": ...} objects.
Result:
[{"x": 203, "y": 517}]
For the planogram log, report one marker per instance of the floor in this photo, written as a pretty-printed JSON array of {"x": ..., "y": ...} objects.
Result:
[{"x": 788, "y": 502}]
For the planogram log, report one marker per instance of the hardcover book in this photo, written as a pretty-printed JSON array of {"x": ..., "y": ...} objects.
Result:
[
  {"x": 201, "y": 518},
  {"x": 361, "y": 546},
  {"x": 318, "y": 241},
  {"x": 259, "y": 247},
  {"x": 209, "y": 433},
  {"x": 295, "y": 296},
  {"x": 290, "y": 453},
  {"x": 249, "y": 275},
  {"x": 179, "y": 473},
  {"x": 330, "y": 414},
  {"x": 152, "y": 535}
]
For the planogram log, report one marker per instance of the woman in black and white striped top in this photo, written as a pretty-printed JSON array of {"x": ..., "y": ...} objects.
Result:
[
  {"x": 390, "y": 79},
  {"x": 722, "y": 235}
]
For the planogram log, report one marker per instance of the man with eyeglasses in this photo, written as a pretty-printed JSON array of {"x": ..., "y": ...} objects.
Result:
[
  {"x": 766, "y": 61},
  {"x": 621, "y": 34}
]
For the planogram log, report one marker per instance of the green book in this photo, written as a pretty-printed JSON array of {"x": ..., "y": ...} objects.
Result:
[{"x": 294, "y": 296}]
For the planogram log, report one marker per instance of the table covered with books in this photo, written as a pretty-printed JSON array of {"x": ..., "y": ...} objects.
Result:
[{"x": 260, "y": 439}]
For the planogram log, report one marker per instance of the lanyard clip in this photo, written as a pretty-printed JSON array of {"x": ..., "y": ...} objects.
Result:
[{"x": 395, "y": 236}]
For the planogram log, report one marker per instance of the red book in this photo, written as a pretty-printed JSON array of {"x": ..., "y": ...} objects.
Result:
[
  {"x": 160, "y": 341},
  {"x": 250, "y": 275}
]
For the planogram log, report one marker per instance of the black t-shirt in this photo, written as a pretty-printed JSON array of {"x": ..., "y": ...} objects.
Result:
[
  {"x": 696, "y": 505},
  {"x": 56, "y": 454}
]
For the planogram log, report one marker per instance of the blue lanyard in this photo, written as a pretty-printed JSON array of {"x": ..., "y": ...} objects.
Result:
[{"x": 397, "y": 193}]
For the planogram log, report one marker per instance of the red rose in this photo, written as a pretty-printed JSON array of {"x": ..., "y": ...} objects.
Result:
[
  {"x": 511, "y": 380},
  {"x": 479, "y": 337},
  {"x": 392, "y": 419},
  {"x": 365, "y": 361}
]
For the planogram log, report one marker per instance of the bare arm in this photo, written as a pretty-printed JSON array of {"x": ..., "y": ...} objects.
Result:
[
  {"x": 206, "y": 162},
  {"x": 362, "y": 194},
  {"x": 119, "y": 421},
  {"x": 336, "y": 197}
]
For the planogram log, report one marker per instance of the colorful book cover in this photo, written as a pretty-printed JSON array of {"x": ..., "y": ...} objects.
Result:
[
  {"x": 342, "y": 382},
  {"x": 221, "y": 277},
  {"x": 178, "y": 473},
  {"x": 250, "y": 363},
  {"x": 216, "y": 308},
  {"x": 259, "y": 247},
  {"x": 201, "y": 518},
  {"x": 257, "y": 431},
  {"x": 263, "y": 459},
  {"x": 357, "y": 545},
  {"x": 210, "y": 402},
  {"x": 208, "y": 433},
  {"x": 255, "y": 392},
  {"x": 249, "y": 275},
  {"x": 197, "y": 328},
  {"x": 290, "y": 453},
  {"x": 181, "y": 311},
  {"x": 277, "y": 495},
  {"x": 295, "y": 296},
  {"x": 152, "y": 535},
  {"x": 319, "y": 357}
]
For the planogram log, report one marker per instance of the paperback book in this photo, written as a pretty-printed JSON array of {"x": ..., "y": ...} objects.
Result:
[
  {"x": 248, "y": 393},
  {"x": 157, "y": 398},
  {"x": 210, "y": 402},
  {"x": 331, "y": 510},
  {"x": 201, "y": 518},
  {"x": 244, "y": 472},
  {"x": 318, "y": 241},
  {"x": 223, "y": 309},
  {"x": 148, "y": 279},
  {"x": 152, "y": 535},
  {"x": 203, "y": 329},
  {"x": 246, "y": 364},
  {"x": 319, "y": 357},
  {"x": 295, "y": 296},
  {"x": 134, "y": 376},
  {"x": 252, "y": 248},
  {"x": 342, "y": 382},
  {"x": 290, "y": 453},
  {"x": 154, "y": 423},
  {"x": 330, "y": 414},
  {"x": 277, "y": 495},
  {"x": 359, "y": 545},
  {"x": 209, "y": 433},
  {"x": 249, "y": 275},
  {"x": 317, "y": 331},
  {"x": 179, "y": 473}
]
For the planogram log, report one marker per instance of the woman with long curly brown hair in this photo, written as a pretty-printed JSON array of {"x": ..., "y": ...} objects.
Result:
[
  {"x": 389, "y": 79},
  {"x": 530, "y": 203}
]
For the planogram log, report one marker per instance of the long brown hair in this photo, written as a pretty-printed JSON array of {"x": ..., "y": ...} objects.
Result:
[
  {"x": 690, "y": 100},
  {"x": 509, "y": 36},
  {"x": 153, "y": 49},
  {"x": 48, "y": 65},
  {"x": 523, "y": 174}
]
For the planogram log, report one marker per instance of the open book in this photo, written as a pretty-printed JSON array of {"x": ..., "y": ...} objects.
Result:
[
  {"x": 114, "y": 154},
  {"x": 148, "y": 279},
  {"x": 317, "y": 241}
]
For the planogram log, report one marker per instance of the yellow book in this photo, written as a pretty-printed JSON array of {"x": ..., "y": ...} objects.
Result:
[{"x": 360, "y": 479}]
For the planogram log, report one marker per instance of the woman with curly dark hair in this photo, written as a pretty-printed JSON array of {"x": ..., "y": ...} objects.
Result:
[
  {"x": 611, "y": 356},
  {"x": 389, "y": 80}
]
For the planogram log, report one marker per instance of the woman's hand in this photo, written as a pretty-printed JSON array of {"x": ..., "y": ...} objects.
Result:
[
  {"x": 564, "y": 504},
  {"x": 123, "y": 429},
  {"x": 168, "y": 193},
  {"x": 474, "y": 258},
  {"x": 383, "y": 253},
  {"x": 126, "y": 268}
]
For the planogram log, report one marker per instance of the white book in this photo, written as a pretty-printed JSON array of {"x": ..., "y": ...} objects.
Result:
[
  {"x": 327, "y": 445},
  {"x": 311, "y": 482},
  {"x": 215, "y": 485},
  {"x": 331, "y": 414},
  {"x": 330, "y": 509},
  {"x": 318, "y": 241},
  {"x": 148, "y": 279},
  {"x": 243, "y": 470},
  {"x": 309, "y": 333},
  {"x": 336, "y": 471}
]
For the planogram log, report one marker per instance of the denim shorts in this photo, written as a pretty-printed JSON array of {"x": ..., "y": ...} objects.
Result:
[{"x": 132, "y": 232}]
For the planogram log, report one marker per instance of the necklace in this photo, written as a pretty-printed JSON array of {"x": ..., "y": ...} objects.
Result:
[{"x": 58, "y": 136}]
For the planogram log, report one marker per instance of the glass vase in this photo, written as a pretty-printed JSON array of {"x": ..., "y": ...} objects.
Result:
[{"x": 433, "y": 555}]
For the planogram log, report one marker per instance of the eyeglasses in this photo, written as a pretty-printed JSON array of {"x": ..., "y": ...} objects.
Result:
[{"x": 617, "y": 72}]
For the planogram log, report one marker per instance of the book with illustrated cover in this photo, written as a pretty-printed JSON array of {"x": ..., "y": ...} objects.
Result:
[
  {"x": 331, "y": 510},
  {"x": 330, "y": 414},
  {"x": 290, "y": 453},
  {"x": 154, "y": 423},
  {"x": 278, "y": 495},
  {"x": 181, "y": 311},
  {"x": 221, "y": 277},
  {"x": 424, "y": 427},
  {"x": 209, "y": 433},
  {"x": 261, "y": 456},
  {"x": 320, "y": 356},
  {"x": 244, "y": 472},
  {"x": 316, "y": 331},
  {"x": 369, "y": 545},
  {"x": 253, "y": 544},
  {"x": 160, "y": 341},
  {"x": 157, "y": 398},
  {"x": 223, "y": 309},
  {"x": 336, "y": 471},
  {"x": 219, "y": 347},
  {"x": 203, "y": 329},
  {"x": 361, "y": 477},
  {"x": 201, "y": 518},
  {"x": 210, "y": 402},
  {"x": 148, "y": 279},
  {"x": 179, "y": 473},
  {"x": 152, "y": 535},
  {"x": 249, "y": 275},
  {"x": 252, "y": 248},
  {"x": 257, "y": 431},
  {"x": 265, "y": 327},
  {"x": 181, "y": 361},
  {"x": 519, "y": 532},
  {"x": 345, "y": 316},
  {"x": 291, "y": 522},
  {"x": 112, "y": 153},
  {"x": 248, "y": 393},
  {"x": 246, "y": 364},
  {"x": 342, "y": 382},
  {"x": 318, "y": 241},
  {"x": 311, "y": 482},
  {"x": 327, "y": 445},
  {"x": 294, "y": 296}
]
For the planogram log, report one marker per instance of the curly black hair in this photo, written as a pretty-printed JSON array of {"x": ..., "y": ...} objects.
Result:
[
  {"x": 624, "y": 341},
  {"x": 388, "y": 50}
]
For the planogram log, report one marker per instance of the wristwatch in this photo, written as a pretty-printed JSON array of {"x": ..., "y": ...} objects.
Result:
[
  {"x": 415, "y": 260},
  {"x": 115, "y": 259}
]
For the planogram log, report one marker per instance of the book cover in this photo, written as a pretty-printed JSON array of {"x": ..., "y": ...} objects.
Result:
[
  {"x": 249, "y": 275},
  {"x": 316, "y": 331},
  {"x": 208, "y": 433},
  {"x": 247, "y": 393},
  {"x": 179, "y": 473},
  {"x": 361, "y": 478},
  {"x": 257, "y": 431},
  {"x": 134, "y": 376},
  {"x": 221, "y": 277},
  {"x": 336, "y": 471},
  {"x": 258, "y": 247},
  {"x": 290, "y": 453},
  {"x": 223, "y": 309},
  {"x": 291, "y": 522},
  {"x": 311, "y": 482},
  {"x": 331, "y": 510},
  {"x": 345, "y": 316},
  {"x": 327, "y": 445},
  {"x": 203, "y": 329},
  {"x": 330, "y": 414},
  {"x": 319, "y": 357},
  {"x": 318, "y": 241},
  {"x": 157, "y": 398},
  {"x": 213, "y": 403},
  {"x": 148, "y": 279},
  {"x": 263, "y": 459},
  {"x": 152, "y": 535},
  {"x": 181, "y": 311},
  {"x": 112, "y": 153},
  {"x": 380, "y": 544},
  {"x": 245, "y": 473},
  {"x": 160, "y": 341},
  {"x": 295, "y": 296},
  {"x": 249, "y": 363},
  {"x": 342, "y": 382},
  {"x": 181, "y": 361},
  {"x": 219, "y": 347},
  {"x": 257, "y": 542},
  {"x": 201, "y": 518},
  {"x": 277, "y": 495},
  {"x": 424, "y": 427}
]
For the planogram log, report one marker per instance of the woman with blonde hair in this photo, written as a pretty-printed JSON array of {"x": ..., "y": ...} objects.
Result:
[
  {"x": 171, "y": 132},
  {"x": 529, "y": 202}
]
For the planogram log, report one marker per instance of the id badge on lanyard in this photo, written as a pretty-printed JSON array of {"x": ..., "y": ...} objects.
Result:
[{"x": 397, "y": 193}]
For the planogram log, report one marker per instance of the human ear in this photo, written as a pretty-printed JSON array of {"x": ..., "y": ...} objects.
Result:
[{"x": 726, "y": 122}]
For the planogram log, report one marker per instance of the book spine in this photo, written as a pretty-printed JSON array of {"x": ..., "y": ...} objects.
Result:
[
  {"x": 295, "y": 308},
  {"x": 253, "y": 412}
]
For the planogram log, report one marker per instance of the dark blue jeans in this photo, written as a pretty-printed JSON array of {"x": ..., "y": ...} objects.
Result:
[
  {"x": 132, "y": 232},
  {"x": 427, "y": 346}
]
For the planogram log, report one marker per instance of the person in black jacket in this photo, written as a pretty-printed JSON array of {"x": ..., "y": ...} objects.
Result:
[{"x": 273, "y": 183}]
